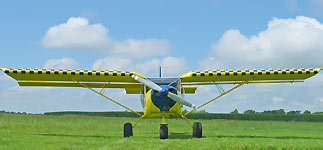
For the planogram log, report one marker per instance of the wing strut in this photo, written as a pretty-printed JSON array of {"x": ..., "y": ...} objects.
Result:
[
  {"x": 109, "y": 98},
  {"x": 216, "y": 98},
  {"x": 220, "y": 88}
]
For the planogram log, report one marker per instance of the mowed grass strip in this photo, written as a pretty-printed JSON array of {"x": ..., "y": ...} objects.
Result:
[{"x": 81, "y": 132}]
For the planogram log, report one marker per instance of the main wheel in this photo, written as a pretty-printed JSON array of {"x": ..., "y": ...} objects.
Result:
[
  {"x": 127, "y": 130},
  {"x": 197, "y": 130},
  {"x": 163, "y": 131}
]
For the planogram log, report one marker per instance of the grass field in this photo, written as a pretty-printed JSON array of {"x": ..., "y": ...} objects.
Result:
[{"x": 80, "y": 132}]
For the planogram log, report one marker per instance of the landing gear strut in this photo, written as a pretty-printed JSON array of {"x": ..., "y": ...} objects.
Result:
[
  {"x": 127, "y": 130},
  {"x": 163, "y": 130}
]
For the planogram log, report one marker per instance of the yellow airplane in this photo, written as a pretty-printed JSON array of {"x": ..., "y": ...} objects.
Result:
[{"x": 160, "y": 97}]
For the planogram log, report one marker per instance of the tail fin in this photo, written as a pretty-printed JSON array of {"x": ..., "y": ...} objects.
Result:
[{"x": 160, "y": 72}]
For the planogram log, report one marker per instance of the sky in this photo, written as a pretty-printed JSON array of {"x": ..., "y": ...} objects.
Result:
[{"x": 180, "y": 36}]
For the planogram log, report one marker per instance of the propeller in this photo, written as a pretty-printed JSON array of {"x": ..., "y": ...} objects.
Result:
[
  {"x": 148, "y": 83},
  {"x": 156, "y": 87},
  {"x": 179, "y": 99}
]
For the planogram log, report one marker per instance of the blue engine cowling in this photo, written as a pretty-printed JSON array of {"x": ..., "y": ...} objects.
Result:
[{"x": 161, "y": 100}]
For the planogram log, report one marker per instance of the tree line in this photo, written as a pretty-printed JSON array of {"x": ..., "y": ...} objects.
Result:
[
  {"x": 274, "y": 115},
  {"x": 278, "y": 111}
]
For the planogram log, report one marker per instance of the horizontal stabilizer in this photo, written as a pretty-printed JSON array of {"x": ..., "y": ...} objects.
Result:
[{"x": 189, "y": 89}]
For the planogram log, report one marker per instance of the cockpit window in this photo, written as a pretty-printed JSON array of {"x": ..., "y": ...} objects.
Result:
[{"x": 172, "y": 90}]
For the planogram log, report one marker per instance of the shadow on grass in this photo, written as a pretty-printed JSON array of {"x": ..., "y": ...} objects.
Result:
[
  {"x": 69, "y": 135},
  {"x": 268, "y": 137},
  {"x": 179, "y": 136},
  {"x": 171, "y": 136},
  {"x": 187, "y": 136}
]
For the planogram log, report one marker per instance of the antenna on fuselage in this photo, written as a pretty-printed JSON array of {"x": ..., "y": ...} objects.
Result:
[{"x": 160, "y": 72}]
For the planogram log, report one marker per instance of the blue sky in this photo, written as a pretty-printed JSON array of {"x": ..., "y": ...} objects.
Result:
[{"x": 179, "y": 35}]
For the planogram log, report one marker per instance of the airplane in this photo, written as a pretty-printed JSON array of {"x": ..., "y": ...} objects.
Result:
[{"x": 160, "y": 97}]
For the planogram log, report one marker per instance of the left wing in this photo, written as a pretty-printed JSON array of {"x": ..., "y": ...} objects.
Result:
[
  {"x": 207, "y": 77},
  {"x": 70, "y": 78}
]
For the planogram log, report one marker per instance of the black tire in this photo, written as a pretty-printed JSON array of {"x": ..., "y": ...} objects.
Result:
[
  {"x": 127, "y": 130},
  {"x": 163, "y": 131},
  {"x": 197, "y": 130}
]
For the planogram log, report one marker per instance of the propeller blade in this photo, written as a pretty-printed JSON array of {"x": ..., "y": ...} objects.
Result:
[
  {"x": 148, "y": 83},
  {"x": 156, "y": 87},
  {"x": 180, "y": 100}
]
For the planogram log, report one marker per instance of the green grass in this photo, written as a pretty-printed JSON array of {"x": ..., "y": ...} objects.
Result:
[{"x": 81, "y": 132}]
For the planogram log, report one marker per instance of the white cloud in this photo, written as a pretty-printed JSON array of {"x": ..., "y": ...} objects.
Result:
[
  {"x": 141, "y": 48},
  {"x": 4, "y": 77},
  {"x": 113, "y": 63},
  {"x": 17, "y": 90},
  {"x": 278, "y": 99},
  {"x": 77, "y": 33},
  {"x": 285, "y": 43},
  {"x": 210, "y": 63},
  {"x": 64, "y": 63},
  {"x": 294, "y": 42},
  {"x": 40, "y": 100},
  {"x": 148, "y": 66},
  {"x": 313, "y": 82},
  {"x": 318, "y": 101},
  {"x": 172, "y": 66}
]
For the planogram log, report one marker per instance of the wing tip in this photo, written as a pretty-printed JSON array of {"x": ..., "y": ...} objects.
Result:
[
  {"x": 187, "y": 75},
  {"x": 318, "y": 69}
]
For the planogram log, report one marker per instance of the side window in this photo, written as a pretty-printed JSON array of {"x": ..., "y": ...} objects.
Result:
[{"x": 172, "y": 90}]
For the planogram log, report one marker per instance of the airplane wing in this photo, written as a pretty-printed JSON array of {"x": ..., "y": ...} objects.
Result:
[
  {"x": 208, "y": 77},
  {"x": 70, "y": 78}
]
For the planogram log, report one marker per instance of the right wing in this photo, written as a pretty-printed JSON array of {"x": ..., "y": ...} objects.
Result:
[{"x": 208, "y": 77}]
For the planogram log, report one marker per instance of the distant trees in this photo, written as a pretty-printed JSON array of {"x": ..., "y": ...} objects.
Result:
[
  {"x": 11, "y": 112},
  {"x": 318, "y": 113},
  {"x": 249, "y": 112},
  {"x": 279, "y": 114},
  {"x": 235, "y": 111},
  {"x": 279, "y": 111},
  {"x": 292, "y": 112},
  {"x": 200, "y": 111},
  {"x": 307, "y": 112}
]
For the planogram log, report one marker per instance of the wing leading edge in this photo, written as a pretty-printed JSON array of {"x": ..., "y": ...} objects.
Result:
[{"x": 253, "y": 75}]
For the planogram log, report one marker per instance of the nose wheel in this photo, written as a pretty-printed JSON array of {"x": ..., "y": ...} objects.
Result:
[{"x": 163, "y": 131}]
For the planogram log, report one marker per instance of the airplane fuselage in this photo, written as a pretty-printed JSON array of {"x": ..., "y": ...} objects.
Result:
[{"x": 158, "y": 104}]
